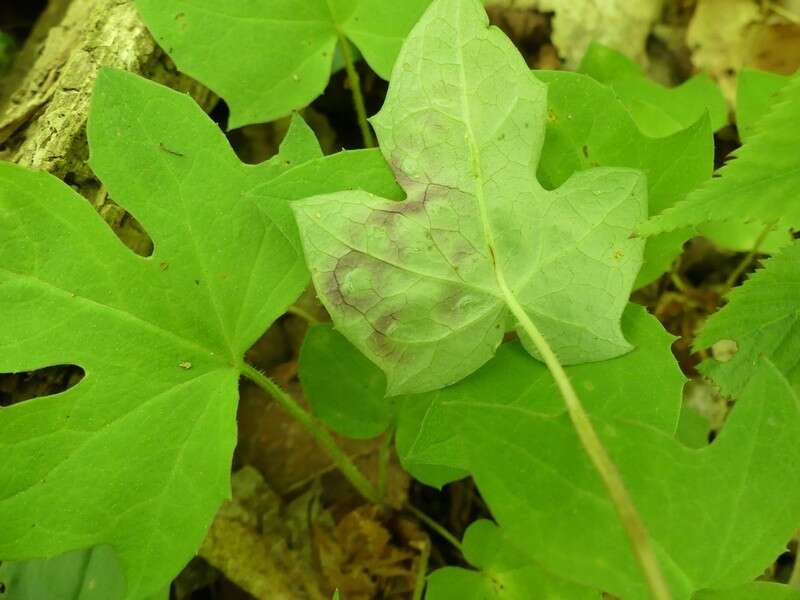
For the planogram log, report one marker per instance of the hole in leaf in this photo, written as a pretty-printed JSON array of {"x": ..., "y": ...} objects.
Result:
[
  {"x": 336, "y": 104},
  {"x": 19, "y": 387},
  {"x": 125, "y": 226}
]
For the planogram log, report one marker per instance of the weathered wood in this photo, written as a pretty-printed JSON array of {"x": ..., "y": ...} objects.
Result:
[{"x": 44, "y": 100}]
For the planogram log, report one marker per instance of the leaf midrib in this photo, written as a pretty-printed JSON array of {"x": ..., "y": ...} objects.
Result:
[{"x": 506, "y": 295}]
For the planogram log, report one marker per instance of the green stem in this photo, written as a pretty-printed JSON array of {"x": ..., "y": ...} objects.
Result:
[
  {"x": 384, "y": 455},
  {"x": 315, "y": 428},
  {"x": 435, "y": 527},
  {"x": 422, "y": 570},
  {"x": 605, "y": 467},
  {"x": 740, "y": 268},
  {"x": 355, "y": 89}
]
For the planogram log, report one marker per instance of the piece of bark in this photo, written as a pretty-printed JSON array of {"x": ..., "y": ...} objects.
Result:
[{"x": 44, "y": 100}]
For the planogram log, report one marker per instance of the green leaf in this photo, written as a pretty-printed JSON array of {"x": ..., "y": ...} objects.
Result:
[
  {"x": 429, "y": 441},
  {"x": 657, "y": 110},
  {"x": 505, "y": 573},
  {"x": 758, "y": 185},
  {"x": 269, "y": 57},
  {"x": 717, "y": 516},
  {"x": 423, "y": 286},
  {"x": 137, "y": 455},
  {"x": 763, "y": 318},
  {"x": 93, "y": 574},
  {"x": 693, "y": 428},
  {"x": 752, "y": 591},
  {"x": 588, "y": 126},
  {"x": 344, "y": 388},
  {"x": 756, "y": 92}
]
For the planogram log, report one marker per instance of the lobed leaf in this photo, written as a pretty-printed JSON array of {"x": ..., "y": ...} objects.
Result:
[
  {"x": 423, "y": 286},
  {"x": 430, "y": 440},
  {"x": 137, "y": 455},
  {"x": 269, "y": 57},
  {"x": 717, "y": 516}
]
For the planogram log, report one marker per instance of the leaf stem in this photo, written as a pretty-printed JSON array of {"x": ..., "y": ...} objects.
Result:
[
  {"x": 384, "y": 456},
  {"x": 612, "y": 480},
  {"x": 740, "y": 268},
  {"x": 435, "y": 527},
  {"x": 422, "y": 570},
  {"x": 355, "y": 90},
  {"x": 317, "y": 429}
]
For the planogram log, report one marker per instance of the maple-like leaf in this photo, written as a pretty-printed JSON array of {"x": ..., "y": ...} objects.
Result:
[
  {"x": 428, "y": 442},
  {"x": 269, "y": 57},
  {"x": 762, "y": 317},
  {"x": 423, "y": 287},
  {"x": 137, "y": 455},
  {"x": 717, "y": 516},
  {"x": 760, "y": 184}
]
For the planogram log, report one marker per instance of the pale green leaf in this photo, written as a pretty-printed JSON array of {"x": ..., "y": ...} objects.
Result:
[
  {"x": 763, "y": 318},
  {"x": 422, "y": 286},
  {"x": 587, "y": 126},
  {"x": 345, "y": 389},
  {"x": 269, "y": 57},
  {"x": 429, "y": 440},
  {"x": 658, "y": 110},
  {"x": 137, "y": 455},
  {"x": 717, "y": 516},
  {"x": 506, "y": 573},
  {"x": 758, "y": 185}
]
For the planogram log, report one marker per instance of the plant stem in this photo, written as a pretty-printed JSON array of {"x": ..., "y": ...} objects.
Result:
[
  {"x": 435, "y": 527},
  {"x": 422, "y": 570},
  {"x": 384, "y": 455},
  {"x": 355, "y": 90},
  {"x": 318, "y": 430},
  {"x": 740, "y": 268},
  {"x": 620, "y": 498}
]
